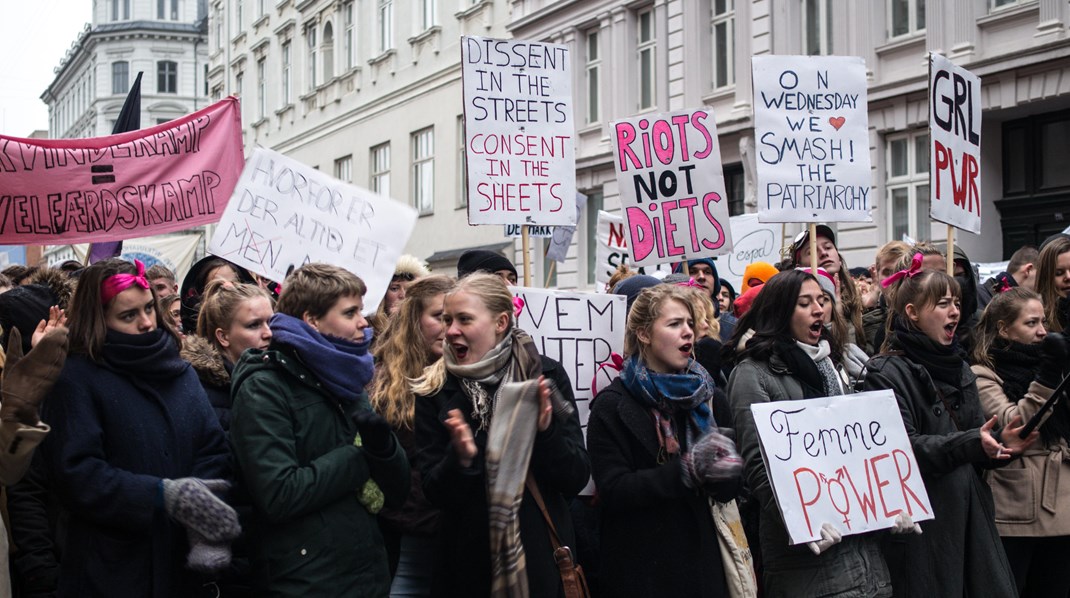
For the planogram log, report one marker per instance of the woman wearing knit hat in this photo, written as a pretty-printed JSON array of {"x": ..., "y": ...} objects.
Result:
[
  {"x": 756, "y": 274},
  {"x": 491, "y": 262}
]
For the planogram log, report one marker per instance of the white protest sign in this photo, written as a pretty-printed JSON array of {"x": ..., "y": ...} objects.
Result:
[
  {"x": 562, "y": 237},
  {"x": 845, "y": 461},
  {"x": 519, "y": 134},
  {"x": 612, "y": 250},
  {"x": 285, "y": 214},
  {"x": 812, "y": 129},
  {"x": 672, "y": 186},
  {"x": 579, "y": 330},
  {"x": 955, "y": 156},
  {"x": 539, "y": 232},
  {"x": 752, "y": 241}
]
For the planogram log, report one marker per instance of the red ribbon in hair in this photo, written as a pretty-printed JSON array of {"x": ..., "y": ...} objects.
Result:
[
  {"x": 117, "y": 283},
  {"x": 911, "y": 272}
]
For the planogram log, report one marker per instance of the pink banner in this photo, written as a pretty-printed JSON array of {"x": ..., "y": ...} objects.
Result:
[{"x": 167, "y": 178}]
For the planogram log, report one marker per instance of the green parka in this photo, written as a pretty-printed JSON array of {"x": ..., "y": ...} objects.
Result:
[{"x": 294, "y": 454}]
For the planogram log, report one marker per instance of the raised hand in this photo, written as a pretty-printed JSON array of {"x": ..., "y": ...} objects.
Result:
[{"x": 461, "y": 437}]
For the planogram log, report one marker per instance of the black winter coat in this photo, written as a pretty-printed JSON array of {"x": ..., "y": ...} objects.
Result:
[
  {"x": 110, "y": 446},
  {"x": 959, "y": 553},
  {"x": 657, "y": 536},
  {"x": 561, "y": 469}
]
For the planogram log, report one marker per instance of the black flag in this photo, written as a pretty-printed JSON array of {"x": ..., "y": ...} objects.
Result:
[{"x": 129, "y": 120}]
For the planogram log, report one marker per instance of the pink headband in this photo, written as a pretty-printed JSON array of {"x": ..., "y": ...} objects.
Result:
[
  {"x": 911, "y": 272},
  {"x": 690, "y": 283},
  {"x": 117, "y": 283}
]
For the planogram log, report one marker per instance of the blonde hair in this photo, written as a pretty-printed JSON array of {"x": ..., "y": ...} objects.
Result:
[
  {"x": 646, "y": 310},
  {"x": 491, "y": 290},
  {"x": 1049, "y": 295},
  {"x": 622, "y": 272},
  {"x": 702, "y": 303},
  {"x": 892, "y": 251},
  {"x": 221, "y": 301},
  {"x": 401, "y": 355}
]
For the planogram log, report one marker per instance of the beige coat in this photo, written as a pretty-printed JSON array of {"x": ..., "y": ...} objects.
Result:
[
  {"x": 17, "y": 443},
  {"x": 1032, "y": 493}
]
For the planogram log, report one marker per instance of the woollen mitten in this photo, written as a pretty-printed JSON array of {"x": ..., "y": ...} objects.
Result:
[
  {"x": 376, "y": 436},
  {"x": 191, "y": 502},
  {"x": 713, "y": 458},
  {"x": 370, "y": 495},
  {"x": 1054, "y": 358},
  {"x": 205, "y": 556}
]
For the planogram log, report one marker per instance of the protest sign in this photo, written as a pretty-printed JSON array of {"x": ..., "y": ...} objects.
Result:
[
  {"x": 752, "y": 241},
  {"x": 287, "y": 214},
  {"x": 844, "y": 460},
  {"x": 176, "y": 252},
  {"x": 166, "y": 178},
  {"x": 812, "y": 128},
  {"x": 562, "y": 237},
  {"x": 672, "y": 186},
  {"x": 538, "y": 232},
  {"x": 519, "y": 134},
  {"x": 579, "y": 330},
  {"x": 612, "y": 250},
  {"x": 955, "y": 155}
]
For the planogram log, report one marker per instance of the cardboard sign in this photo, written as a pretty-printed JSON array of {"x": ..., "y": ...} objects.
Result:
[
  {"x": 955, "y": 155},
  {"x": 842, "y": 460},
  {"x": 519, "y": 135},
  {"x": 753, "y": 242},
  {"x": 287, "y": 214},
  {"x": 166, "y": 178},
  {"x": 579, "y": 330},
  {"x": 672, "y": 186},
  {"x": 811, "y": 126},
  {"x": 612, "y": 250}
]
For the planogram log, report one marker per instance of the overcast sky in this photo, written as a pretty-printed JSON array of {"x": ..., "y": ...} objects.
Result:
[{"x": 34, "y": 37}]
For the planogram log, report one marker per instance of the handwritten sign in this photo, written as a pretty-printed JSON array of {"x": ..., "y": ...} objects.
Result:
[
  {"x": 519, "y": 132},
  {"x": 955, "y": 156},
  {"x": 812, "y": 129},
  {"x": 579, "y": 330},
  {"x": 845, "y": 461},
  {"x": 672, "y": 186},
  {"x": 287, "y": 214},
  {"x": 166, "y": 178},
  {"x": 612, "y": 250},
  {"x": 538, "y": 232},
  {"x": 753, "y": 241}
]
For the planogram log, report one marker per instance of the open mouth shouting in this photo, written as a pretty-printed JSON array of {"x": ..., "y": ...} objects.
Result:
[
  {"x": 949, "y": 330},
  {"x": 685, "y": 350},
  {"x": 460, "y": 351},
  {"x": 815, "y": 330}
]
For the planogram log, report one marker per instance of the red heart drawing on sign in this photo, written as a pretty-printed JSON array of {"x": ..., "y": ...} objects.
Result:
[{"x": 837, "y": 121}]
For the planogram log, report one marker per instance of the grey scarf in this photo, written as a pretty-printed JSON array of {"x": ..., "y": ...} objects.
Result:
[{"x": 820, "y": 354}]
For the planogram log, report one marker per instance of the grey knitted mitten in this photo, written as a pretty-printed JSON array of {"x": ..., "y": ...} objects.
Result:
[
  {"x": 192, "y": 503},
  {"x": 205, "y": 556}
]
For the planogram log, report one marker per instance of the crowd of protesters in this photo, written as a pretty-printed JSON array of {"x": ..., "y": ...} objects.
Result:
[{"x": 227, "y": 437}]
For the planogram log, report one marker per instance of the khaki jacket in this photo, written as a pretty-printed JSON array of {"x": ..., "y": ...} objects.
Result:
[{"x": 1032, "y": 493}]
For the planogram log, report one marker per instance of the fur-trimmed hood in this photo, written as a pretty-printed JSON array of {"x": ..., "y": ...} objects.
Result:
[
  {"x": 57, "y": 281},
  {"x": 411, "y": 267},
  {"x": 206, "y": 360}
]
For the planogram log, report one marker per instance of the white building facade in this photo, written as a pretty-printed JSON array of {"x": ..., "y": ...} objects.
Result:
[
  {"x": 366, "y": 90},
  {"x": 664, "y": 55},
  {"x": 164, "y": 39}
]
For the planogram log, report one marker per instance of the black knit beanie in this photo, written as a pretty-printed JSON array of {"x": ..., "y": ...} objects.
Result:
[
  {"x": 24, "y": 307},
  {"x": 481, "y": 260}
]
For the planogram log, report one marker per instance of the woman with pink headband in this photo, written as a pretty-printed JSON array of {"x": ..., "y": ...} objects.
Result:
[{"x": 136, "y": 455}]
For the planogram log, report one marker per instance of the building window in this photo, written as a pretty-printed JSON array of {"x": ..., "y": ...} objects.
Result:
[
  {"x": 817, "y": 27},
  {"x": 423, "y": 170},
  {"x": 646, "y": 48},
  {"x": 313, "y": 49},
  {"x": 589, "y": 226},
  {"x": 385, "y": 17},
  {"x": 166, "y": 76},
  {"x": 908, "y": 186},
  {"x": 427, "y": 14},
  {"x": 908, "y": 17},
  {"x": 462, "y": 170},
  {"x": 163, "y": 14},
  {"x": 380, "y": 169},
  {"x": 205, "y": 79},
  {"x": 120, "y": 77},
  {"x": 287, "y": 87},
  {"x": 734, "y": 187},
  {"x": 259, "y": 8},
  {"x": 594, "y": 79},
  {"x": 218, "y": 31},
  {"x": 723, "y": 27},
  {"x": 239, "y": 90},
  {"x": 349, "y": 37},
  {"x": 120, "y": 10},
  {"x": 261, "y": 89},
  {"x": 328, "y": 52},
  {"x": 343, "y": 169},
  {"x": 1002, "y": 3}
]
